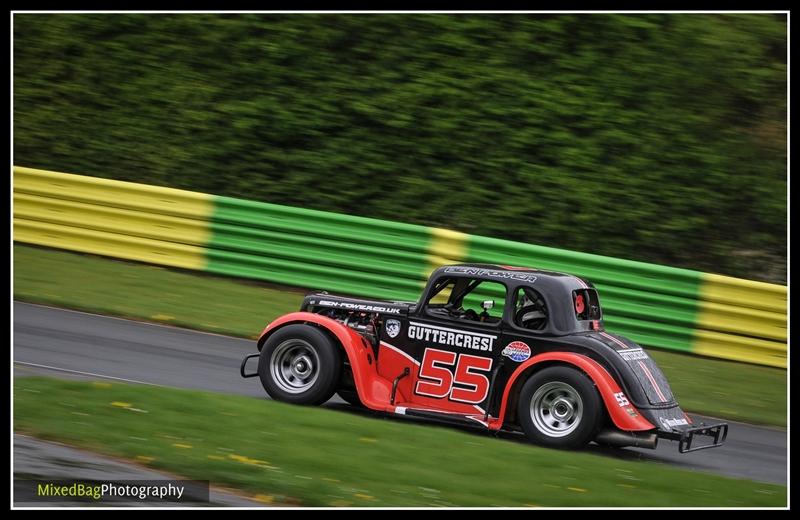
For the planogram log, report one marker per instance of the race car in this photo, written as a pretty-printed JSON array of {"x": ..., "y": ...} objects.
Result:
[{"x": 493, "y": 346}]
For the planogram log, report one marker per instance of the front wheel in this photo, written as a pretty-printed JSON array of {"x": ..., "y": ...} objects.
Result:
[
  {"x": 559, "y": 407},
  {"x": 300, "y": 364}
]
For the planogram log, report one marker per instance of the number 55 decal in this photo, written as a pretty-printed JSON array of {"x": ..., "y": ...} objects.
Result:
[{"x": 437, "y": 381}]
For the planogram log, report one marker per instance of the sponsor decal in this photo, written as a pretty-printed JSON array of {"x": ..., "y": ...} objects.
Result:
[
  {"x": 621, "y": 399},
  {"x": 450, "y": 337},
  {"x": 437, "y": 380},
  {"x": 489, "y": 273},
  {"x": 632, "y": 354},
  {"x": 392, "y": 328},
  {"x": 668, "y": 424},
  {"x": 517, "y": 351},
  {"x": 631, "y": 412},
  {"x": 360, "y": 307}
]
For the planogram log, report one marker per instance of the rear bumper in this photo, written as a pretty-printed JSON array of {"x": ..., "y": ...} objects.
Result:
[{"x": 689, "y": 438}]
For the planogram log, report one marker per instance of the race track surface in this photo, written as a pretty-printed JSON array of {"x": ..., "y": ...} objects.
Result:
[{"x": 64, "y": 343}]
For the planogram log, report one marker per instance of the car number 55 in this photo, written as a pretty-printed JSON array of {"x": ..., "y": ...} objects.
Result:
[{"x": 466, "y": 385}]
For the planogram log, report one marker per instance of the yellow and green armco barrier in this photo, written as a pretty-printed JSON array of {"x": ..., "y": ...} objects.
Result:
[{"x": 657, "y": 306}]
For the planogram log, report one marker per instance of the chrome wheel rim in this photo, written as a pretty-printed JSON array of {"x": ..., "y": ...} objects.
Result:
[
  {"x": 556, "y": 409},
  {"x": 294, "y": 366}
]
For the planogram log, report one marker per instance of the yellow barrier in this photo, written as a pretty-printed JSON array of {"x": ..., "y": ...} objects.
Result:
[
  {"x": 110, "y": 244},
  {"x": 741, "y": 319},
  {"x": 740, "y": 348},
  {"x": 119, "y": 194},
  {"x": 743, "y": 293},
  {"x": 446, "y": 247},
  {"x": 121, "y": 219}
]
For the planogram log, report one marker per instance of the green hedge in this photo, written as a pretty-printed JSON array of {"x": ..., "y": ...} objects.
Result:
[{"x": 659, "y": 138}]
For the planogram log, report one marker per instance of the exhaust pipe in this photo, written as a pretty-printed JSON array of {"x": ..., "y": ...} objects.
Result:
[{"x": 620, "y": 439}]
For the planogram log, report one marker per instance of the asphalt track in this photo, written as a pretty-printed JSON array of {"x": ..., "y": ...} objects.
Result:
[{"x": 64, "y": 343}]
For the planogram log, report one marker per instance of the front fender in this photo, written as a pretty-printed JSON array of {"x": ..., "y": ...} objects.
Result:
[
  {"x": 624, "y": 415},
  {"x": 370, "y": 387}
]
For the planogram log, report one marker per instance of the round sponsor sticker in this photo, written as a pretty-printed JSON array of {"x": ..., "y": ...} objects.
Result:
[{"x": 517, "y": 351}]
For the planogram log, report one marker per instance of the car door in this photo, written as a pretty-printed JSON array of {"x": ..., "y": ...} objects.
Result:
[{"x": 455, "y": 344}]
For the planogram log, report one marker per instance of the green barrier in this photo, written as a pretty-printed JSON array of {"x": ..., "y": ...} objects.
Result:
[
  {"x": 652, "y": 304},
  {"x": 657, "y": 306},
  {"x": 316, "y": 249}
]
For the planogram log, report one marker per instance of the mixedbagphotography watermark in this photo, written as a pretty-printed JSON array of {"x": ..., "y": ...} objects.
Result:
[{"x": 98, "y": 491}]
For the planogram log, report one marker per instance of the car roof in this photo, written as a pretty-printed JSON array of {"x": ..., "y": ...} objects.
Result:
[{"x": 499, "y": 271}]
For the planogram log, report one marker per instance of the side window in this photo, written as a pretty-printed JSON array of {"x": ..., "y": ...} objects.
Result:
[
  {"x": 467, "y": 300},
  {"x": 587, "y": 304},
  {"x": 487, "y": 291},
  {"x": 530, "y": 309}
]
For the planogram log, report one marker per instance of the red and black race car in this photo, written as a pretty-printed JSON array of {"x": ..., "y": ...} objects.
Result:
[{"x": 488, "y": 345}]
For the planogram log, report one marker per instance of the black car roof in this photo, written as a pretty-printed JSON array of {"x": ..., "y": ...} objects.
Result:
[{"x": 494, "y": 271}]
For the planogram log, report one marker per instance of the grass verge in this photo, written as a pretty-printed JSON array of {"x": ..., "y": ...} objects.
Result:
[
  {"x": 106, "y": 286},
  {"x": 316, "y": 457},
  {"x": 719, "y": 388}
]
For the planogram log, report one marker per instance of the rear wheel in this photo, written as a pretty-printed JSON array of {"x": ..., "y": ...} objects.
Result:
[
  {"x": 559, "y": 407},
  {"x": 300, "y": 364}
]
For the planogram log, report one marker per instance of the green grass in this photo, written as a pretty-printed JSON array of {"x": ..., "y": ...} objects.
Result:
[
  {"x": 726, "y": 389},
  {"x": 317, "y": 457},
  {"x": 148, "y": 292},
  {"x": 714, "y": 387}
]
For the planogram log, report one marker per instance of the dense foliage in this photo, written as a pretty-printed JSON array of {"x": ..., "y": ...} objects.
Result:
[{"x": 654, "y": 137}]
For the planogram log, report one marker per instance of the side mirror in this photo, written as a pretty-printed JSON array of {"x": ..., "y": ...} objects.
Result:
[{"x": 487, "y": 304}]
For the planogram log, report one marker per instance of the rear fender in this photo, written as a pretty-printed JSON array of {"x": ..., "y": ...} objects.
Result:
[
  {"x": 370, "y": 386},
  {"x": 624, "y": 415}
]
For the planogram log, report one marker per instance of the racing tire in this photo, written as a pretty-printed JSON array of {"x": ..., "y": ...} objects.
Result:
[
  {"x": 300, "y": 364},
  {"x": 559, "y": 407},
  {"x": 351, "y": 397}
]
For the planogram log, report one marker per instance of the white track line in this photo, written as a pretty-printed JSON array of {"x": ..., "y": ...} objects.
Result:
[{"x": 84, "y": 373}]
